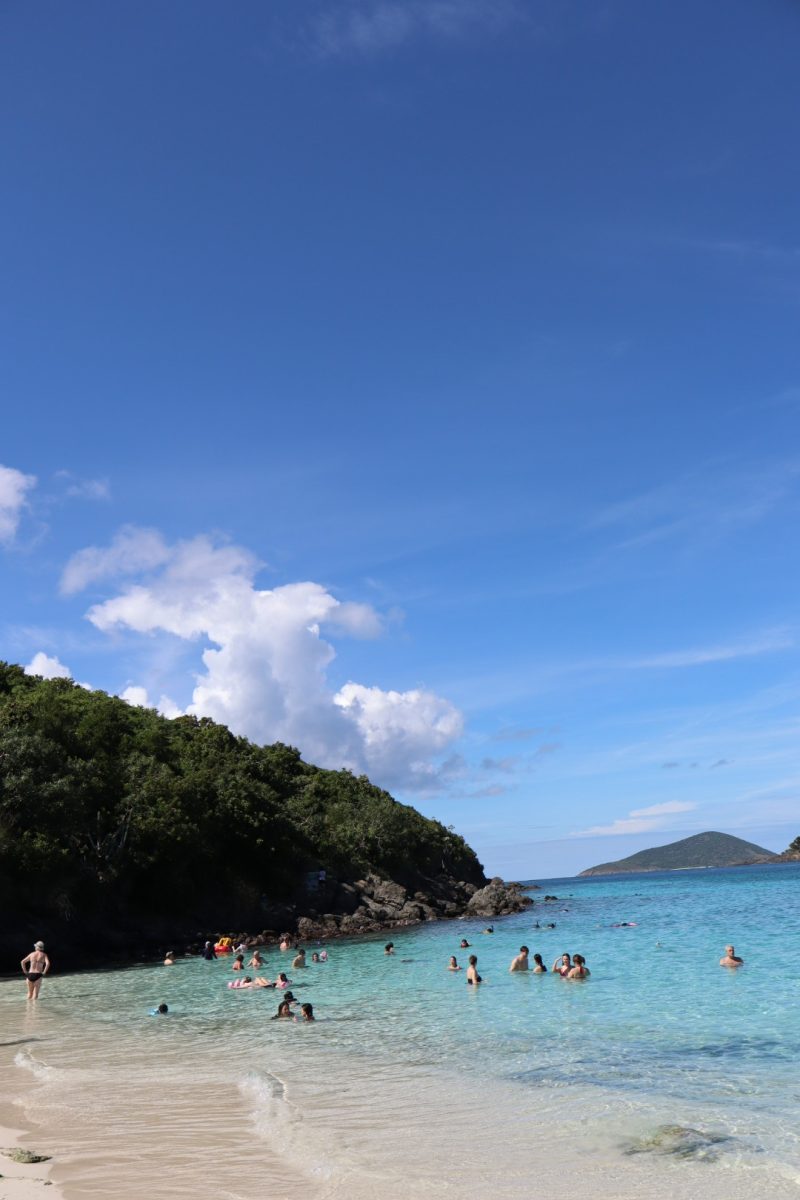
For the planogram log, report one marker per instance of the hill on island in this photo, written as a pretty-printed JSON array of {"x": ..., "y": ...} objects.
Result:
[
  {"x": 116, "y": 823},
  {"x": 701, "y": 850}
]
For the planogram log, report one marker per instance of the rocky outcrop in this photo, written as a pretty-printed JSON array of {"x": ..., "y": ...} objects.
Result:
[{"x": 373, "y": 904}]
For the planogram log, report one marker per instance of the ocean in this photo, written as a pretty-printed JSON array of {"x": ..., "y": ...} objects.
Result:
[{"x": 662, "y": 1075}]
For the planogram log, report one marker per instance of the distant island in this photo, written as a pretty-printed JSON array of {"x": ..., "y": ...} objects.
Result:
[
  {"x": 122, "y": 831},
  {"x": 701, "y": 850}
]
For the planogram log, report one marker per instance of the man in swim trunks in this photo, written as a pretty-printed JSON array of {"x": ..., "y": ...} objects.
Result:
[
  {"x": 34, "y": 967},
  {"x": 520, "y": 963},
  {"x": 731, "y": 959}
]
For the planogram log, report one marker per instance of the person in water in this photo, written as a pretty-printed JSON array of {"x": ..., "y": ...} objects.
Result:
[
  {"x": 453, "y": 964},
  {"x": 307, "y": 1011},
  {"x": 315, "y": 957},
  {"x": 299, "y": 959},
  {"x": 285, "y": 942},
  {"x": 388, "y": 948},
  {"x": 161, "y": 1011},
  {"x": 284, "y": 1012},
  {"x": 34, "y": 967},
  {"x": 323, "y": 956},
  {"x": 238, "y": 963},
  {"x": 731, "y": 959},
  {"x": 169, "y": 961},
  {"x": 282, "y": 981},
  {"x": 520, "y": 963},
  {"x": 579, "y": 969},
  {"x": 245, "y": 982},
  {"x": 538, "y": 967},
  {"x": 209, "y": 953},
  {"x": 256, "y": 961},
  {"x": 562, "y": 966},
  {"x": 472, "y": 970},
  {"x": 489, "y": 929}
]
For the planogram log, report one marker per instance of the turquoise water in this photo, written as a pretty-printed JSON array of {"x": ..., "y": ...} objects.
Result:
[{"x": 495, "y": 1085}]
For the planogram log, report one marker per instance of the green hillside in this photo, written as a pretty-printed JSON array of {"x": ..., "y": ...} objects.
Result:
[
  {"x": 109, "y": 811},
  {"x": 701, "y": 850}
]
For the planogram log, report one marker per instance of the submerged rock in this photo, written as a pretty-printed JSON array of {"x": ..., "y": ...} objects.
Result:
[{"x": 680, "y": 1141}]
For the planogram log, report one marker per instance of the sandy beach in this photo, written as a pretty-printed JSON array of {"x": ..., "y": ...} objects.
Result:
[{"x": 23, "y": 1181}]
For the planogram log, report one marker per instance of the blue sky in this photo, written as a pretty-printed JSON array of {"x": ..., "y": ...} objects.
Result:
[{"x": 418, "y": 382}]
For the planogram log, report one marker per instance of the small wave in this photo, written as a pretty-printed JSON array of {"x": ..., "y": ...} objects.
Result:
[
  {"x": 40, "y": 1070},
  {"x": 280, "y": 1123}
]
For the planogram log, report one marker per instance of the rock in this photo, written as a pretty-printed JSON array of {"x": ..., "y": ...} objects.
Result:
[
  {"x": 25, "y": 1156},
  {"x": 681, "y": 1141},
  {"x": 498, "y": 899}
]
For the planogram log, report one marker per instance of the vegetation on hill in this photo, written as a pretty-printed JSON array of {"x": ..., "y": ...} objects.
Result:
[
  {"x": 106, "y": 808},
  {"x": 701, "y": 850}
]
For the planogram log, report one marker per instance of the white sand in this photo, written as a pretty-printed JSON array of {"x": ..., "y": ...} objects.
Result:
[{"x": 19, "y": 1181}]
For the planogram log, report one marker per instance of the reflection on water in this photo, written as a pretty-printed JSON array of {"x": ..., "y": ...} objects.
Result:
[{"x": 410, "y": 1083}]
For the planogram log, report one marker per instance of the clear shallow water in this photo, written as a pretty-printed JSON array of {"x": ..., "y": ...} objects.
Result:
[{"x": 412, "y": 1082}]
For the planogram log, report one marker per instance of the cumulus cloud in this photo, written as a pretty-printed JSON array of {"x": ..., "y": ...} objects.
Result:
[
  {"x": 265, "y": 657},
  {"x": 639, "y": 820},
  {"x": 139, "y": 697},
  {"x": 14, "y": 488},
  {"x": 47, "y": 666},
  {"x": 131, "y": 551}
]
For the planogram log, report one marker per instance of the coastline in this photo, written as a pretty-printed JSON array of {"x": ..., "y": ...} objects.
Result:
[{"x": 23, "y": 1181}]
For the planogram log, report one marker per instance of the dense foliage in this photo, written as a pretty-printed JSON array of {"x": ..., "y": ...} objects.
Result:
[{"x": 105, "y": 807}]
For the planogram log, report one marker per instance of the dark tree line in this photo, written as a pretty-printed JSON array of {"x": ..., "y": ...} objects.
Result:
[{"x": 109, "y": 808}]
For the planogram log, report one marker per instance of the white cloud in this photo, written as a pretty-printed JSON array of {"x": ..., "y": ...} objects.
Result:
[
  {"x": 14, "y": 487},
  {"x": 639, "y": 820},
  {"x": 48, "y": 667},
  {"x": 265, "y": 671},
  {"x": 131, "y": 551},
  {"x": 90, "y": 489},
  {"x": 375, "y": 27},
  {"x": 138, "y": 697},
  {"x": 765, "y": 644}
]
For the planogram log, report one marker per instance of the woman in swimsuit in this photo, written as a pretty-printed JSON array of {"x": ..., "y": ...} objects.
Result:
[
  {"x": 538, "y": 967},
  {"x": 579, "y": 969},
  {"x": 453, "y": 966},
  {"x": 282, "y": 981},
  {"x": 284, "y": 1011},
  {"x": 34, "y": 967},
  {"x": 308, "y": 1012},
  {"x": 472, "y": 970},
  {"x": 562, "y": 966}
]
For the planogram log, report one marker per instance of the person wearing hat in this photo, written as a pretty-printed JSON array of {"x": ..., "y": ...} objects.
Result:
[{"x": 34, "y": 967}]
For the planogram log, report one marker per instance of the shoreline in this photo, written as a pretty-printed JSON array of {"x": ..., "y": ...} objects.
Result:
[{"x": 23, "y": 1181}]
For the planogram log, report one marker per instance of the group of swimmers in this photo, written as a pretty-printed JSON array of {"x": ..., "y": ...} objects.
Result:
[{"x": 568, "y": 967}]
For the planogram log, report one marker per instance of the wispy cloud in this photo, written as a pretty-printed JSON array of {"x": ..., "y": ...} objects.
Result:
[
  {"x": 14, "y": 488},
  {"x": 639, "y": 820},
  {"x": 704, "y": 506},
  {"x": 698, "y": 656},
  {"x": 748, "y": 250},
  {"x": 367, "y": 29}
]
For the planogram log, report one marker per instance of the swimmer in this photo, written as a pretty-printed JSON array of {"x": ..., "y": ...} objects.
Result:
[
  {"x": 731, "y": 959},
  {"x": 169, "y": 961},
  {"x": 323, "y": 956},
  {"x": 284, "y": 1012},
  {"x": 520, "y": 963},
  {"x": 464, "y": 944},
  {"x": 538, "y": 967},
  {"x": 488, "y": 929},
  {"x": 315, "y": 957},
  {"x": 282, "y": 981},
  {"x": 256, "y": 961},
  {"x": 238, "y": 963},
  {"x": 241, "y": 983},
  {"x": 388, "y": 948},
  {"x": 299, "y": 959},
  {"x": 453, "y": 964},
  {"x": 284, "y": 942},
  {"x": 34, "y": 967},
  {"x": 308, "y": 1012},
  {"x": 562, "y": 966},
  {"x": 161, "y": 1011},
  {"x": 579, "y": 969},
  {"x": 472, "y": 970},
  {"x": 209, "y": 953}
]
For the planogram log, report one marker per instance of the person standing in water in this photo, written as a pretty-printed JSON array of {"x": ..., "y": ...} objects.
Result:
[
  {"x": 299, "y": 959},
  {"x": 520, "y": 963},
  {"x": 34, "y": 967},
  {"x": 730, "y": 959},
  {"x": 472, "y": 970}
]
